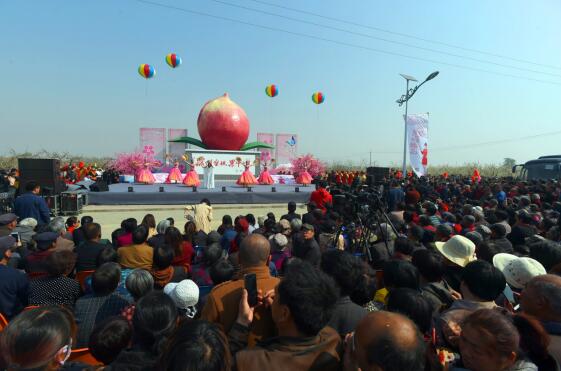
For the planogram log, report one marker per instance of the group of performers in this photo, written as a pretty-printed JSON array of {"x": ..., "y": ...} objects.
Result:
[{"x": 191, "y": 179}]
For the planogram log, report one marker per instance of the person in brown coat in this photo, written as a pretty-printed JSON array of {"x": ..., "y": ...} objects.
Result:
[
  {"x": 302, "y": 305},
  {"x": 223, "y": 301}
]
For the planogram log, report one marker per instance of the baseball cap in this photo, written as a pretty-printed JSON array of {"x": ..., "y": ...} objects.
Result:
[
  {"x": 6, "y": 243},
  {"x": 45, "y": 239},
  {"x": 7, "y": 218},
  {"x": 307, "y": 227}
]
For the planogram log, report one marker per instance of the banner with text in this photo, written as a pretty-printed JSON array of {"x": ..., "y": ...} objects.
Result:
[
  {"x": 266, "y": 153},
  {"x": 176, "y": 150},
  {"x": 287, "y": 148},
  {"x": 154, "y": 139},
  {"x": 417, "y": 141}
]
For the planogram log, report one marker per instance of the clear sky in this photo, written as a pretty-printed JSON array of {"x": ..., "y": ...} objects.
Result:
[{"x": 70, "y": 82}]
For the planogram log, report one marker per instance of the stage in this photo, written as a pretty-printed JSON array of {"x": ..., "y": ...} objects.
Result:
[{"x": 173, "y": 194}]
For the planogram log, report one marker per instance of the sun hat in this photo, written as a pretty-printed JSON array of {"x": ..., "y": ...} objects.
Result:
[
  {"x": 185, "y": 295},
  {"x": 518, "y": 271},
  {"x": 459, "y": 250}
]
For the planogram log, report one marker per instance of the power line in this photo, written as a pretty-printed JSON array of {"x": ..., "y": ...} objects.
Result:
[
  {"x": 171, "y": 7},
  {"x": 466, "y": 146},
  {"x": 404, "y": 34},
  {"x": 383, "y": 39}
]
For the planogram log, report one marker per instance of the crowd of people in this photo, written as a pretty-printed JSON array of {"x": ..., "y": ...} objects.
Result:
[{"x": 467, "y": 276}]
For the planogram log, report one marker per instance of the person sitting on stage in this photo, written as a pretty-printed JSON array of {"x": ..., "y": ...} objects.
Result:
[{"x": 247, "y": 178}]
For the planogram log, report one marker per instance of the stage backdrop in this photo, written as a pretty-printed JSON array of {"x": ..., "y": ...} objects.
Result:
[
  {"x": 269, "y": 138},
  {"x": 417, "y": 136},
  {"x": 287, "y": 148},
  {"x": 155, "y": 137},
  {"x": 176, "y": 150}
]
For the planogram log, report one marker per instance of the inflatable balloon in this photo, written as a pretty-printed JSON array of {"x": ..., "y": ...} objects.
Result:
[
  {"x": 146, "y": 71},
  {"x": 272, "y": 90},
  {"x": 173, "y": 60},
  {"x": 318, "y": 97}
]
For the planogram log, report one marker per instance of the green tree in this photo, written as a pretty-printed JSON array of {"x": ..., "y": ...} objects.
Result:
[{"x": 509, "y": 162}]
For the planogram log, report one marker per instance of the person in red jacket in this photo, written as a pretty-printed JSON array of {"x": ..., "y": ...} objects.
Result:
[{"x": 321, "y": 196}]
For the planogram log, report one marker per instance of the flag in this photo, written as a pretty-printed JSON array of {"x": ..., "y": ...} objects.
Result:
[{"x": 417, "y": 141}]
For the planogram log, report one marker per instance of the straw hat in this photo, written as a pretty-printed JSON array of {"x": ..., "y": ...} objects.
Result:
[{"x": 459, "y": 250}]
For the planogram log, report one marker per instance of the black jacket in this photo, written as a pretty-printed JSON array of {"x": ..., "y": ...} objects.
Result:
[
  {"x": 346, "y": 316},
  {"x": 86, "y": 255},
  {"x": 307, "y": 250}
]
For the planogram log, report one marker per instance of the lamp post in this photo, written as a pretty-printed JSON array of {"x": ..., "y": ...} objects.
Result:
[{"x": 404, "y": 99}]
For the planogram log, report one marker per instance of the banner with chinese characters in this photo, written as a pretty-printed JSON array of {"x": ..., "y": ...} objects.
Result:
[
  {"x": 155, "y": 139},
  {"x": 224, "y": 162},
  {"x": 417, "y": 139},
  {"x": 287, "y": 148}
]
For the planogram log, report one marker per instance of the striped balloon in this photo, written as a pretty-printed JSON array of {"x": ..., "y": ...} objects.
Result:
[
  {"x": 318, "y": 97},
  {"x": 146, "y": 71},
  {"x": 173, "y": 60},
  {"x": 272, "y": 90}
]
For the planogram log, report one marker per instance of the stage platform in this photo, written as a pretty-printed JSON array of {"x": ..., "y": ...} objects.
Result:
[{"x": 179, "y": 194}]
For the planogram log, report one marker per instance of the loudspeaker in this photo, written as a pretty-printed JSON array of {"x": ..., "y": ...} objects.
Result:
[
  {"x": 71, "y": 203},
  {"x": 46, "y": 172}
]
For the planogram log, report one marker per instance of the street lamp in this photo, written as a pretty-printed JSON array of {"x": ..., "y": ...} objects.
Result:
[{"x": 404, "y": 99}]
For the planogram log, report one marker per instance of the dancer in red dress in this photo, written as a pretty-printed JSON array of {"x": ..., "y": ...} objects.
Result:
[
  {"x": 247, "y": 178},
  {"x": 265, "y": 176},
  {"x": 174, "y": 175},
  {"x": 192, "y": 178},
  {"x": 144, "y": 173},
  {"x": 304, "y": 178}
]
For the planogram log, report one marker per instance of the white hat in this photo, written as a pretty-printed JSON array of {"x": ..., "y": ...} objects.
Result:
[
  {"x": 28, "y": 222},
  {"x": 186, "y": 294},
  {"x": 459, "y": 250},
  {"x": 518, "y": 271},
  {"x": 168, "y": 289}
]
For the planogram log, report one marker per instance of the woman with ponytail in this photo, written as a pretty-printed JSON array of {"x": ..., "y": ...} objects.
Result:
[
  {"x": 154, "y": 319},
  {"x": 37, "y": 339}
]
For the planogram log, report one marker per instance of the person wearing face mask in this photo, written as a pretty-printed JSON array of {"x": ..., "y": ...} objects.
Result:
[{"x": 47, "y": 333}]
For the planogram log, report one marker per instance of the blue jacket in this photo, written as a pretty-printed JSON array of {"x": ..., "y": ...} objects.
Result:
[{"x": 29, "y": 205}]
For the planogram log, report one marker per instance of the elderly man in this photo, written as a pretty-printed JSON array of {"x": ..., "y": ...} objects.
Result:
[
  {"x": 223, "y": 301},
  {"x": 14, "y": 286},
  {"x": 8, "y": 223},
  {"x": 542, "y": 299},
  {"x": 385, "y": 341},
  {"x": 58, "y": 226}
]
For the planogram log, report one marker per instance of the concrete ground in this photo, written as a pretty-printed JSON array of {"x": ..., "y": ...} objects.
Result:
[{"x": 110, "y": 216}]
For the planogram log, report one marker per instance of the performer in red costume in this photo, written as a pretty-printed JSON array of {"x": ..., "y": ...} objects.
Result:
[
  {"x": 247, "y": 178},
  {"x": 191, "y": 178},
  {"x": 174, "y": 175},
  {"x": 425, "y": 160},
  {"x": 265, "y": 176}
]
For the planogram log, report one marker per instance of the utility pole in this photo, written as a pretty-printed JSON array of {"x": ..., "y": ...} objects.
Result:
[{"x": 370, "y": 158}]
